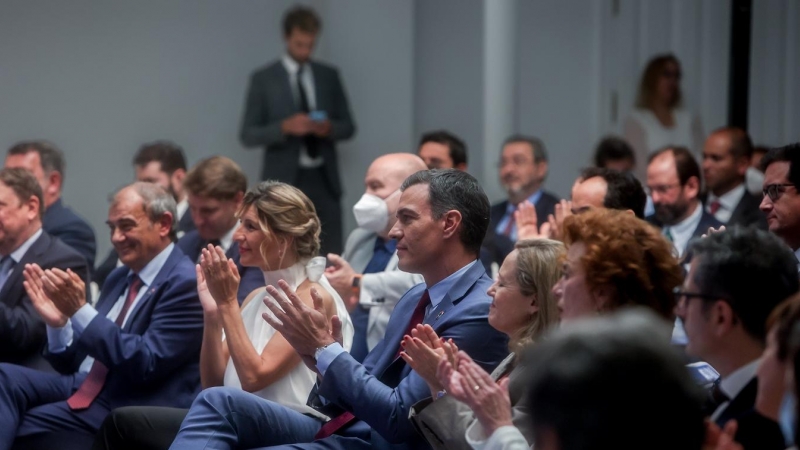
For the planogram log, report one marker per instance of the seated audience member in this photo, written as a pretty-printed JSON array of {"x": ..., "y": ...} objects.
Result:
[
  {"x": 46, "y": 163},
  {"x": 724, "y": 311},
  {"x": 279, "y": 235},
  {"x": 781, "y": 202},
  {"x": 773, "y": 397},
  {"x": 215, "y": 188},
  {"x": 673, "y": 179},
  {"x": 366, "y": 275},
  {"x": 615, "y": 154},
  {"x": 162, "y": 163},
  {"x": 442, "y": 149},
  {"x": 585, "y": 390},
  {"x": 594, "y": 188},
  {"x": 442, "y": 218},
  {"x": 523, "y": 308},
  {"x": 23, "y": 241},
  {"x": 140, "y": 346},
  {"x": 523, "y": 169},
  {"x": 726, "y": 157}
]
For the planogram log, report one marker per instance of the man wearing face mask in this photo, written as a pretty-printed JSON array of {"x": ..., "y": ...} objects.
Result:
[{"x": 366, "y": 274}]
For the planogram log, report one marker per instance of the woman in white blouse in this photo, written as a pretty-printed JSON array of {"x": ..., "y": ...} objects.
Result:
[{"x": 658, "y": 120}]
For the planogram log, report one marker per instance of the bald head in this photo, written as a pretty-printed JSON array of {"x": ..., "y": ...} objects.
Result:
[{"x": 389, "y": 171}]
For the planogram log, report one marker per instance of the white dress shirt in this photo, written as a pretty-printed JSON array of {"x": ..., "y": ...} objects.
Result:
[
  {"x": 727, "y": 203},
  {"x": 58, "y": 339},
  {"x": 733, "y": 384},
  {"x": 307, "y": 80},
  {"x": 682, "y": 232},
  {"x": 20, "y": 251}
]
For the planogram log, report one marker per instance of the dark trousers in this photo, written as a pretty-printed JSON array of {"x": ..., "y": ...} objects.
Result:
[
  {"x": 314, "y": 183},
  {"x": 140, "y": 428}
]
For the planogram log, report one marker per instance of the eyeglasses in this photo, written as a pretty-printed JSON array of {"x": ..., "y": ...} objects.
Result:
[
  {"x": 680, "y": 294},
  {"x": 774, "y": 191},
  {"x": 661, "y": 189}
]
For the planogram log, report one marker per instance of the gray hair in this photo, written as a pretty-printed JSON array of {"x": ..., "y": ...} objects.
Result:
[{"x": 156, "y": 202}]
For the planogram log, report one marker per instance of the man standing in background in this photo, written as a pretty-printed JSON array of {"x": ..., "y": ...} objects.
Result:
[{"x": 297, "y": 109}]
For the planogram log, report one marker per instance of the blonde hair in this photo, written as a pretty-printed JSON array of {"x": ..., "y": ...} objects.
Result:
[
  {"x": 538, "y": 270},
  {"x": 284, "y": 210}
]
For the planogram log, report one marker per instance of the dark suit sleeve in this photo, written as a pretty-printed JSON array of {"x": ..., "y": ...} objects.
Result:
[
  {"x": 756, "y": 432},
  {"x": 348, "y": 383},
  {"x": 79, "y": 236},
  {"x": 257, "y": 129},
  {"x": 342, "y": 125},
  {"x": 176, "y": 326},
  {"x": 21, "y": 327}
]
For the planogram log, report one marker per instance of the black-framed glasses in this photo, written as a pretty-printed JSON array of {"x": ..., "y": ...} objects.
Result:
[
  {"x": 774, "y": 191},
  {"x": 681, "y": 294}
]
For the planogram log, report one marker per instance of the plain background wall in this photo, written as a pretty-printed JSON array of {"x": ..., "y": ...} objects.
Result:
[{"x": 100, "y": 78}]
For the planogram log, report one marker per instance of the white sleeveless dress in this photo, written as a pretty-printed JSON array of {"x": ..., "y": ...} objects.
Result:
[{"x": 293, "y": 389}]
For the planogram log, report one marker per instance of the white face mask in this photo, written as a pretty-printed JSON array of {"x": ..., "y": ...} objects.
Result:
[{"x": 371, "y": 213}]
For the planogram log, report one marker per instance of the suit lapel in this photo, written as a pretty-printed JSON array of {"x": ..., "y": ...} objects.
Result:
[
  {"x": 12, "y": 289},
  {"x": 163, "y": 275}
]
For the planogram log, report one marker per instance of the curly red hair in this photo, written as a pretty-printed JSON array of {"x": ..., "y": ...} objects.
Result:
[{"x": 628, "y": 255}]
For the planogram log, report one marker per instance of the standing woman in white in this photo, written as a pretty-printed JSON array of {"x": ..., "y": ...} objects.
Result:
[{"x": 658, "y": 119}]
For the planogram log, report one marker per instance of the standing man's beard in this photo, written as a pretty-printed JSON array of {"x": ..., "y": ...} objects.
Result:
[{"x": 672, "y": 213}]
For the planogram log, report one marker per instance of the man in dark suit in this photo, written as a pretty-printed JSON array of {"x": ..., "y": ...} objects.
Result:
[
  {"x": 523, "y": 169},
  {"x": 442, "y": 217},
  {"x": 781, "y": 201},
  {"x": 724, "y": 313},
  {"x": 607, "y": 188},
  {"x": 215, "y": 187},
  {"x": 442, "y": 149},
  {"x": 673, "y": 179},
  {"x": 726, "y": 158},
  {"x": 297, "y": 109},
  {"x": 46, "y": 162},
  {"x": 162, "y": 163},
  {"x": 139, "y": 346},
  {"x": 23, "y": 241}
]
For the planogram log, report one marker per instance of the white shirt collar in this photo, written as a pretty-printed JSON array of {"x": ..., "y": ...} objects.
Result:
[
  {"x": 182, "y": 206},
  {"x": 730, "y": 199},
  {"x": 226, "y": 240},
  {"x": 682, "y": 232},
  {"x": 291, "y": 65},
  {"x": 17, "y": 254},
  {"x": 733, "y": 384},
  {"x": 151, "y": 269}
]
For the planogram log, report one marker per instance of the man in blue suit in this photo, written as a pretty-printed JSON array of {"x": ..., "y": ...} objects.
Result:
[
  {"x": 216, "y": 188},
  {"x": 442, "y": 218},
  {"x": 23, "y": 241},
  {"x": 46, "y": 162},
  {"x": 139, "y": 346}
]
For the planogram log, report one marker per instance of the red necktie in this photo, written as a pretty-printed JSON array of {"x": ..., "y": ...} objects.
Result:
[
  {"x": 510, "y": 225},
  {"x": 93, "y": 383},
  {"x": 714, "y": 207},
  {"x": 338, "y": 422}
]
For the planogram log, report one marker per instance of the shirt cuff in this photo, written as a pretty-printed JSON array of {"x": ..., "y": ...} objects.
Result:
[
  {"x": 59, "y": 338},
  {"x": 82, "y": 318},
  {"x": 327, "y": 355}
]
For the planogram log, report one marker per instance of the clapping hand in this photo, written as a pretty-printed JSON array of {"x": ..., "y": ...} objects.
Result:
[
  {"x": 220, "y": 276},
  {"x": 33, "y": 284},
  {"x": 423, "y": 350},
  {"x": 528, "y": 223}
]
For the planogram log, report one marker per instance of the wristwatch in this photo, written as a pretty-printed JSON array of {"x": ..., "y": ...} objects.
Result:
[
  {"x": 355, "y": 287},
  {"x": 319, "y": 350}
]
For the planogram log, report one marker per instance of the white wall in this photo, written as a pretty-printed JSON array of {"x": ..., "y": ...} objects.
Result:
[{"x": 101, "y": 78}]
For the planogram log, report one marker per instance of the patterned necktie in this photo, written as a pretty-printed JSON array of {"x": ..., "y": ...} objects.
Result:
[
  {"x": 714, "y": 207},
  {"x": 338, "y": 422},
  {"x": 6, "y": 267},
  {"x": 94, "y": 381},
  {"x": 310, "y": 141}
]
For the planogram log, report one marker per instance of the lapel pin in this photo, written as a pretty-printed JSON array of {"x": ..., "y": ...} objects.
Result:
[{"x": 439, "y": 315}]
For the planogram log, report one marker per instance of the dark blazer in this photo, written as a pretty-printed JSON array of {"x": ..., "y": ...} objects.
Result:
[
  {"x": 747, "y": 213},
  {"x": 496, "y": 246},
  {"x": 390, "y": 384},
  {"x": 251, "y": 277},
  {"x": 64, "y": 224},
  {"x": 22, "y": 330},
  {"x": 755, "y": 431},
  {"x": 270, "y": 101},
  {"x": 706, "y": 221},
  {"x": 185, "y": 223},
  {"x": 154, "y": 359}
]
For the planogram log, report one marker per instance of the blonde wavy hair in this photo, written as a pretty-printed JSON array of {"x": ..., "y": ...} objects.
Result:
[
  {"x": 538, "y": 270},
  {"x": 284, "y": 211}
]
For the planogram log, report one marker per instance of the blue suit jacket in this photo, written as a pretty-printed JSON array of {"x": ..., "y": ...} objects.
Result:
[
  {"x": 154, "y": 358},
  {"x": 381, "y": 391},
  {"x": 21, "y": 328},
  {"x": 251, "y": 277},
  {"x": 64, "y": 224}
]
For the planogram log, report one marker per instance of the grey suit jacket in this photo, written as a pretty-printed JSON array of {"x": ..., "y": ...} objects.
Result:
[
  {"x": 270, "y": 101},
  {"x": 379, "y": 291},
  {"x": 444, "y": 422}
]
